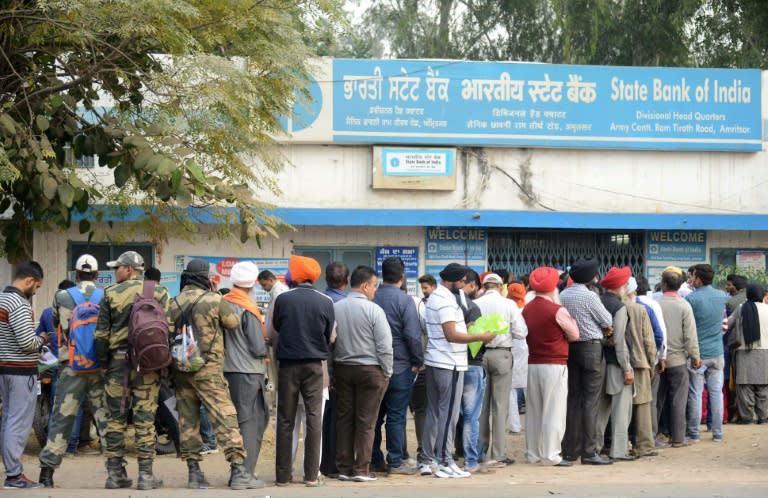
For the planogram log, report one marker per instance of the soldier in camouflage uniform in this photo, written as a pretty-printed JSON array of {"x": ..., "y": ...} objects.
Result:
[
  {"x": 71, "y": 386},
  {"x": 111, "y": 349},
  {"x": 210, "y": 315}
]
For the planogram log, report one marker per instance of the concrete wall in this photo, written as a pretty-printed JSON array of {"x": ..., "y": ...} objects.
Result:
[{"x": 323, "y": 176}]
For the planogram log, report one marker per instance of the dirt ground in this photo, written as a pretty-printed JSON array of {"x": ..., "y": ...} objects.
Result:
[{"x": 736, "y": 467}]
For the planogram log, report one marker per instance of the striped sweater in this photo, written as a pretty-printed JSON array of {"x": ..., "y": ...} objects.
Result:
[{"x": 19, "y": 345}]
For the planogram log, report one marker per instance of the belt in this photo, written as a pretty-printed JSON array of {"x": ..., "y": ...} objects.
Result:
[
  {"x": 505, "y": 349},
  {"x": 591, "y": 341}
]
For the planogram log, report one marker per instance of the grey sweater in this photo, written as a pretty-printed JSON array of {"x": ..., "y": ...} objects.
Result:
[
  {"x": 682, "y": 341},
  {"x": 363, "y": 336},
  {"x": 244, "y": 347}
]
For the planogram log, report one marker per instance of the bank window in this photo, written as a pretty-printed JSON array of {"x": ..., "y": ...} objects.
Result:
[
  {"x": 739, "y": 257},
  {"x": 350, "y": 256},
  {"x": 109, "y": 252}
]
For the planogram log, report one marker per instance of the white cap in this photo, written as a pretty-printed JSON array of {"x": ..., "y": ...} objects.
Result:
[
  {"x": 493, "y": 278},
  {"x": 86, "y": 262}
]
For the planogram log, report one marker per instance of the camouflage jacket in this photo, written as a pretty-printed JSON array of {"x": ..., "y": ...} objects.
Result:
[
  {"x": 212, "y": 314},
  {"x": 115, "y": 312},
  {"x": 63, "y": 304}
]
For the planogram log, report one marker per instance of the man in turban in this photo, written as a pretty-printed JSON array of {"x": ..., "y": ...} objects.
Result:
[
  {"x": 616, "y": 401},
  {"x": 245, "y": 362},
  {"x": 550, "y": 329},
  {"x": 300, "y": 332},
  {"x": 586, "y": 366}
]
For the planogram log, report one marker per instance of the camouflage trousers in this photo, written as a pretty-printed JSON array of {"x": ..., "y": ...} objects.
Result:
[
  {"x": 141, "y": 398},
  {"x": 69, "y": 392},
  {"x": 207, "y": 386}
]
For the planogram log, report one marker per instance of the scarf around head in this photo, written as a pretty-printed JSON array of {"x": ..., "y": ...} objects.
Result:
[
  {"x": 198, "y": 279},
  {"x": 240, "y": 297},
  {"x": 749, "y": 315}
]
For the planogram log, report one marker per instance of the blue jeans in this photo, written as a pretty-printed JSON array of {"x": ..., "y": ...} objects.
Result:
[
  {"x": 471, "y": 406},
  {"x": 207, "y": 433},
  {"x": 394, "y": 407},
  {"x": 711, "y": 372}
]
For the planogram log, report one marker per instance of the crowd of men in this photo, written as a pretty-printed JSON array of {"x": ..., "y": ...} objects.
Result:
[{"x": 612, "y": 371}]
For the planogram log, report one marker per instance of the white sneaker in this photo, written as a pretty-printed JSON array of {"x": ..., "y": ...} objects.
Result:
[
  {"x": 457, "y": 472},
  {"x": 444, "y": 472},
  {"x": 362, "y": 478},
  {"x": 425, "y": 469}
]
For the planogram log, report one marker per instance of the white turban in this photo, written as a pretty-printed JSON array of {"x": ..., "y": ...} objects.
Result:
[
  {"x": 244, "y": 274},
  {"x": 631, "y": 285}
]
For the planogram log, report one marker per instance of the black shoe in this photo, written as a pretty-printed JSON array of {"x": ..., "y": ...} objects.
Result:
[
  {"x": 595, "y": 460},
  {"x": 625, "y": 458},
  {"x": 508, "y": 461},
  {"x": 46, "y": 477},
  {"x": 565, "y": 463}
]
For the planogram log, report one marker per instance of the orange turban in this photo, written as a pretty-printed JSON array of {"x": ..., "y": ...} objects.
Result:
[
  {"x": 544, "y": 279},
  {"x": 616, "y": 277},
  {"x": 304, "y": 269},
  {"x": 516, "y": 292}
]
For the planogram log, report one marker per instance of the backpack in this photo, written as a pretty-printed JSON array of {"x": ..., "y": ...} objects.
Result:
[
  {"x": 186, "y": 351},
  {"x": 82, "y": 325},
  {"x": 148, "y": 349}
]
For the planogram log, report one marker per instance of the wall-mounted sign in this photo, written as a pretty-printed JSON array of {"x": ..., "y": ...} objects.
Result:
[
  {"x": 411, "y": 168},
  {"x": 467, "y": 246},
  {"x": 753, "y": 260},
  {"x": 677, "y": 245},
  {"x": 410, "y": 257},
  {"x": 445, "y": 102}
]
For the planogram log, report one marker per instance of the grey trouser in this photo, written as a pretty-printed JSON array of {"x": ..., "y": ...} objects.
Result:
[
  {"x": 752, "y": 399},
  {"x": 247, "y": 392},
  {"x": 19, "y": 393},
  {"x": 444, "y": 389},
  {"x": 617, "y": 407},
  {"x": 498, "y": 366}
]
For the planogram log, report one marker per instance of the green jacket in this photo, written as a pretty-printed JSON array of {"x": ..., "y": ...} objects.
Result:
[
  {"x": 211, "y": 316},
  {"x": 112, "y": 326}
]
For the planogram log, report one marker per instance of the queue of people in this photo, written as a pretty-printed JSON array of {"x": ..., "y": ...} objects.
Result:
[{"x": 610, "y": 372}]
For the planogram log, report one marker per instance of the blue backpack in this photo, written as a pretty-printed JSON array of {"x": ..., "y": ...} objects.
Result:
[{"x": 82, "y": 325}]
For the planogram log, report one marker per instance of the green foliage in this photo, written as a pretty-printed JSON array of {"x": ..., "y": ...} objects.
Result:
[
  {"x": 731, "y": 33},
  {"x": 179, "y": 98},
  {"x": 752, "y": 275}
]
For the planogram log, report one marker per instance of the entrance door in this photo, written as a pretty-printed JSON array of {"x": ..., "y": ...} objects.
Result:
[
  {"x": 350, "y": 256},
  {"x": 519, "y": 251}
]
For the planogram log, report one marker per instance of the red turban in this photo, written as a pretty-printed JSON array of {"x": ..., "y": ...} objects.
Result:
[
  {"x": 304, "y": 269},
  {"x": 516, "y": 292},
  {"x": 544, "y": 279},
  {"x": 616, "y": 277}
]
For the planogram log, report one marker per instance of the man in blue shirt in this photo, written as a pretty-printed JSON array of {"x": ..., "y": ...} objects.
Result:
[
  {"x": 408, "y": 357},
  {"x": 708, "y": 306}
]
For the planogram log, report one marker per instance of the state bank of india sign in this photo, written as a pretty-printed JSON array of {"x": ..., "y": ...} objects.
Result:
[{"x": 445, "y": 102}]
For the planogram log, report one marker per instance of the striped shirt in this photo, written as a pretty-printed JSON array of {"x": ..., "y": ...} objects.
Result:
[
  {"x": 19, "y": 345},
  {"x": 442, "y": 308},
  {"x": 585, "y": 307}
]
